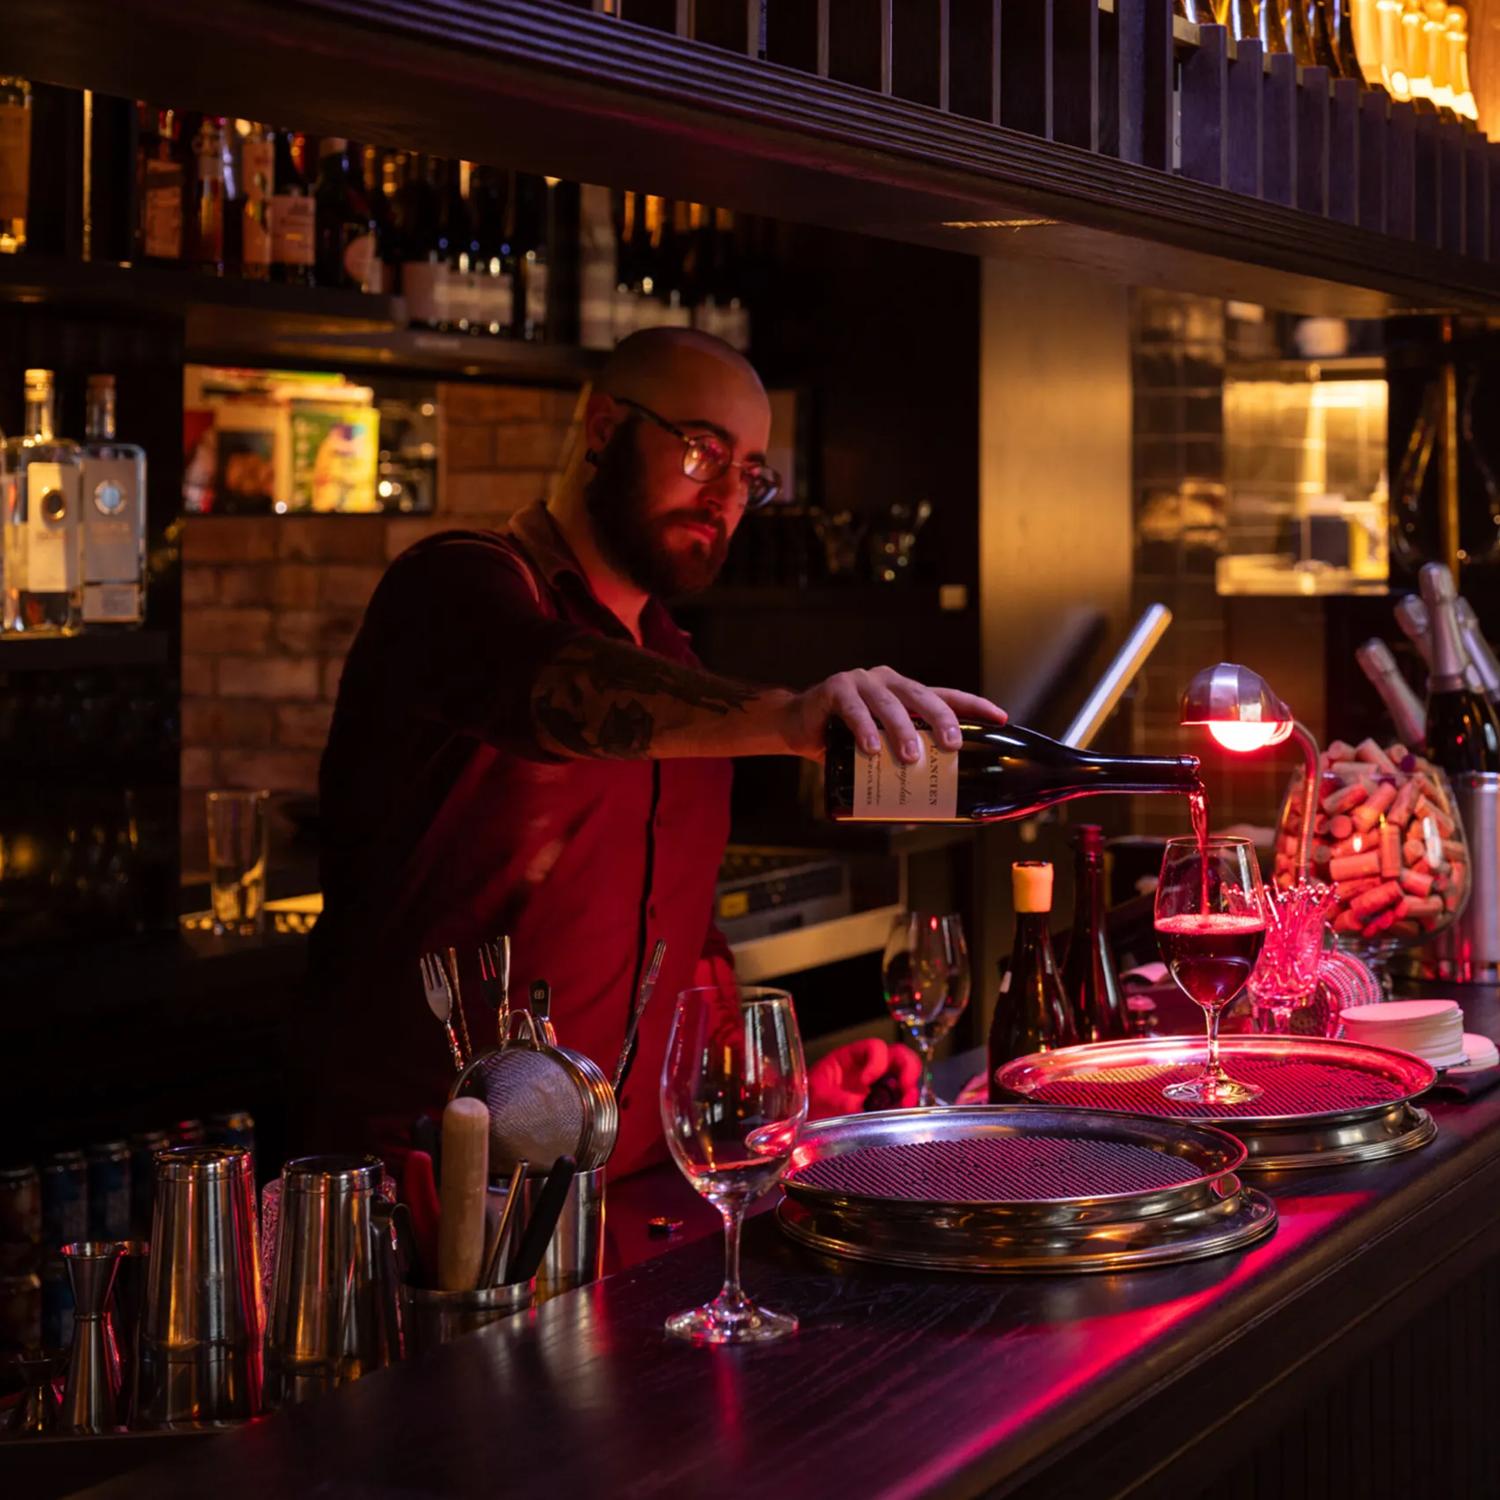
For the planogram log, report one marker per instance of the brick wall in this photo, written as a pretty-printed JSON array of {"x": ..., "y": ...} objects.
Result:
[{"x": 271, "y": 604}]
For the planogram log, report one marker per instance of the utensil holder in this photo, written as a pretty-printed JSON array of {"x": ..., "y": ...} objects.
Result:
[
  {"x": 431, "y": 1317},
  {"x": 575, "y": 1255},
  {"x": 1469, "y": 951}
]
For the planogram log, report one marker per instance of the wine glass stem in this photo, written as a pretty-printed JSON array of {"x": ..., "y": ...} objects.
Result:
[
  {"x": 1213, "y": 1069},
  {"x": 925, "y": 1094},
  {"x": 733, "y": 1214}
]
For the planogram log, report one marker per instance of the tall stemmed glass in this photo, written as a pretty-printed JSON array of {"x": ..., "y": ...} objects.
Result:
[
  {"x": 733, "y": 1099},
  {"x": 926, "y": 975},
  {"x": 1211, "y": 922}
]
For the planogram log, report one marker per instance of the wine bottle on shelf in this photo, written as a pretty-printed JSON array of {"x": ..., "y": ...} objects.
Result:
[
  {"x": 15, "y": 162},
  {"x": 597, "y": 252},
  {"x": 380, "y": 172},
  {"x": 633, "y": 259},
  {"x": 456, "y": 246},
  {"x": 496, "y": 300},
  {"x": 345, "y": 236},
  {"x": 1463, "y": 733},
  {"x": 1481, "y": 657},
  {"x": 424, "y": 281},
  {"x": 1090, "y": 984},
  {"x": 209, "y": 194},
  {"x": 1403, "y": 705},
  {"x": 43, "y": 586},
  {"x": 112, "y": 516},
  {"x": 534, "y": 219},
  {"x": 1031, "y": 1011},
  {"x": 163, "y": 186},
  {"x": 293, "y": 215},
  {"x": 999, "y": 771},
  {"x": 257, "y": 182}
]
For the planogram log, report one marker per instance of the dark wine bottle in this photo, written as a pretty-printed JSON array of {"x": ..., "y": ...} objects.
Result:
[
  {"x": 1089, "y": 980},
  {"x": 1000, "y": 771},
  {"x": 1031, "y": 1012},
  {"x": 345, "y": 223},
  {"x": 1463, "y": 734},
  {"x": 293, "y": 216}
]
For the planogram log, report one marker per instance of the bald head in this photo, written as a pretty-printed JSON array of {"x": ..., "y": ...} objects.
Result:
[{"x": 661, "y": 366}]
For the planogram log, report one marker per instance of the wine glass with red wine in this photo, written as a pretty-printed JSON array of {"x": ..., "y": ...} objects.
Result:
[{"x": 1210, "y": 922}]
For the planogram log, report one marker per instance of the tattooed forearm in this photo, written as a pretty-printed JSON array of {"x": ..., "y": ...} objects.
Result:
[{"x": 601, "y": 698}]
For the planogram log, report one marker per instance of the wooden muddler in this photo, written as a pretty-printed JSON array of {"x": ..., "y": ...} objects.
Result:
[{"x": 466, "y": 1176}]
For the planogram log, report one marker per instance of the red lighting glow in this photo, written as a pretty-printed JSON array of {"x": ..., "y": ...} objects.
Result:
[{"x": 1246, "y": 734}]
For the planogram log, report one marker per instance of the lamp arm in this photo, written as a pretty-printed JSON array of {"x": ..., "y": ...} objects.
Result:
[{"x": 1304, "y": 737}]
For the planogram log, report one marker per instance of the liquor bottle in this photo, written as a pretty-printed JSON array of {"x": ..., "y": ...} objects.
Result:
[
  {"x": 733, "y": 311},
  {"x": 257, "y": 184},
  {"x": 1090, "y": 984},
  {"x": 381, "y": 173},
  {"x": 15, "y": 162},
  {"x": 1031, "y": 1011},
  {"x": 424, "y": 280},
  {"x": 1273, "y": 37},
  {"x": 1000, "y": 771},
  {"x": 209, "y": 190},
  {"x": 112, "y": 515},
  {"x": 163, "y": 187},
  {"x": 673, "y": 261},
  {"x": 1463, "y": 733},
  {"x": 293, "y": 216},
  {"x": 534, "y": 216},
  {"x": 596, "y": 267},
  {"x": 43, "y": 584},
  {"x": 633, "y": 260},
  {"x": 345, "y": 226},
  {"x": 467, "y": 297},
  {"x": 495, "y": 303},
  {"x": 1403, "y": 705}
]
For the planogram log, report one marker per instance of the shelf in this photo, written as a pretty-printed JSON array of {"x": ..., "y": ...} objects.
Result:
[
  {"x": 79, "y": 653},
  {"x": 1293, "y": 371},
  {"x": 227, "y": 320},
  {"x": 807, "y": 947},
  {"x": 827, "y": 598}
]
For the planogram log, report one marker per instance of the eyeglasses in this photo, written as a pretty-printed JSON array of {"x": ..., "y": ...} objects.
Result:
[{"x": 706, "y": 457}]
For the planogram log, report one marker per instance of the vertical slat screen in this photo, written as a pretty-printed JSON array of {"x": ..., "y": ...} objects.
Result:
[
  {"x": 1246, "y": 118},
  {"x": 1312, "y": 142},
  {"x": 1205, "y": 100},
  {"x": 1374, "y": 142},
  {"x": 1343, "y": 152}
]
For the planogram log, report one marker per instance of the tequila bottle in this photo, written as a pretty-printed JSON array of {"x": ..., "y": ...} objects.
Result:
[
  {"x": 43, "y": 572},
  {"x": 112, "y": 517}
]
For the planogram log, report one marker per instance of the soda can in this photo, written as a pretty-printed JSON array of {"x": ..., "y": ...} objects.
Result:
[
  {"x": 57, "y": 1305},
  {"x": 20, "y": 1312},
  {"x": 189, "y": 1133},
  {"x": 144, "y": 1145},
  {"x": 109, "y": 1190},
  {"x": 20, "y": 1219},
  {"x": 65, "y": 1199},
  {"x": 237, "y": 1128}
]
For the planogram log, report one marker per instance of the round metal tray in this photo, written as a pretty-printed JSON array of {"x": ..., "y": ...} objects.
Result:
[
  {"x": 1323, "y": 1102},
  {"x": 1019, "y": 1188}
]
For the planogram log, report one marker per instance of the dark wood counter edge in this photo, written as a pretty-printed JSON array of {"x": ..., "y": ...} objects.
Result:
[{"x": 1210, "y": 1384}]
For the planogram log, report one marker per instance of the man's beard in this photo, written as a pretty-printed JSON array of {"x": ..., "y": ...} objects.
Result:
[{"x": 632, "y": 539}]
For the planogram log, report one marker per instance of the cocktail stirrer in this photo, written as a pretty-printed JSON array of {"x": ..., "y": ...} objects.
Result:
[{"x": 490, "y": 1274}]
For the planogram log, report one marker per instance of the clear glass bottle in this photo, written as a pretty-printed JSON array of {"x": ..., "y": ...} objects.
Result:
[
  {"x": 43, "y": 557},
  {"x": 15, "y": 162},
  {"x": 112, "y": 517}
]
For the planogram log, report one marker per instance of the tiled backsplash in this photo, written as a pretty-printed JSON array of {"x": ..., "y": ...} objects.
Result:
[{"x": 271, "y": 603}]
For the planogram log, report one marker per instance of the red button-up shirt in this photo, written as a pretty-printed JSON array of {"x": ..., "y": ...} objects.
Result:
[{"x": 444, "y": 822}]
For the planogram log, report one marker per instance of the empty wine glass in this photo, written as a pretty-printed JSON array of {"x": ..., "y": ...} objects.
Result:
[
  {"x": 926, "y": 975},
  {"x": 733, "y": 1099},
  {"x": 1211, "y": 922}
]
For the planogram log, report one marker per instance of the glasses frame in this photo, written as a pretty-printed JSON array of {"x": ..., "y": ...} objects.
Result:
[{"x": 718, "y": 459}]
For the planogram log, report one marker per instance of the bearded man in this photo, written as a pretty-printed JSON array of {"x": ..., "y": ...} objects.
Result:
[{"x": 524, "y": 743}]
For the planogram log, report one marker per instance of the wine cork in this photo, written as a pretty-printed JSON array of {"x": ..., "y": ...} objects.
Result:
[
  {"x": 465, "y": 1187},
  {"x": 1031, "y": 885}
]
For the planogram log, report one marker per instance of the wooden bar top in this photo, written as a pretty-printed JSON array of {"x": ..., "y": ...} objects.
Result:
[{"x": 902, "y": 1383}]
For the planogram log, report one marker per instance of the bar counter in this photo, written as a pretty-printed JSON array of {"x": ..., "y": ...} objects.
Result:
[{"x": 1352, "y": 1353}]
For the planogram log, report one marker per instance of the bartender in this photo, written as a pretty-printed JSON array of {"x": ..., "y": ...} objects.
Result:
[{"x": 525, "y": 743}]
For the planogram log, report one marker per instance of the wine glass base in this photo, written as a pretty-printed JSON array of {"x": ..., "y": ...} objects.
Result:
[
  {"x": 1211, "y": 1091},
  {"x": 712, "y": 1324}
]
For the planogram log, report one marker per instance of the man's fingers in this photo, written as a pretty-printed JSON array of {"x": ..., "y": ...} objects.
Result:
[
  {"x": 850, "y": 707},
  {"x": 971, "y": 706},
  {"x": 900, "y": 732},
  {"x": 929, "y": 704}
]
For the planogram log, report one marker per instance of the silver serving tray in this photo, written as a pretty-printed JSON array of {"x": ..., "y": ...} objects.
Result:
[
  {"x": 1325, "y": 1102},
  {"x": 1019, "y": 1188}
]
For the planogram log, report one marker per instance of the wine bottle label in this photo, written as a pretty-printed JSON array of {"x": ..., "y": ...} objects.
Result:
[
  {"x": 293, "y": 229},
  {"x": 359, "y": 257},
  {"x": 419, "y": 286},
  {"x": 163, "y": 210},
  {"x": 889, "y": 790},
  {"x": 536, "y": 293},
  {"x": 15, "y": 160},
  {"x": 52, "y": 529}
]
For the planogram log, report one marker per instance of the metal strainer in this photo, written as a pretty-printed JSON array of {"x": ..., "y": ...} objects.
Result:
[{"x": 544, "y": 1100}]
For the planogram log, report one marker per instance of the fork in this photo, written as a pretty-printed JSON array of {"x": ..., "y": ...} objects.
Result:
[
  {"x": 440, "y": 1002},
  {"x": 494, "y": 970}
]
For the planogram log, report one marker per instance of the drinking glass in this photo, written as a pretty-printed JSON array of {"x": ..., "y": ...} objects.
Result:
[
  {"x": 237, "y": 861},
  {"x": 1211, "y": 922},
  {"x": 733, "y": 1099},
  {"x": 926, "y": 975}
]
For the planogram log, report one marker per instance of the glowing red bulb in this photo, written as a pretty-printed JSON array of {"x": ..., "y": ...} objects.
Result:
[{"x": 1248, "y": 734}]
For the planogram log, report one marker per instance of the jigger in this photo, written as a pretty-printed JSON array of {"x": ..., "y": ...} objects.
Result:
[{"x": 91, "y": 1396}]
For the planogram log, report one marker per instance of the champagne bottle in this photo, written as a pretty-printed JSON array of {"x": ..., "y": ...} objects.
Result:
[
  {"x": 1090, "y": 984},
  {"x": 999, "y": 771},
  {"x": 1031, "y": 1012},
  {"x": 1463, "y": 733},
  {"x": 1403, "y": 705},
  {"x": 1481, "y": 656}
]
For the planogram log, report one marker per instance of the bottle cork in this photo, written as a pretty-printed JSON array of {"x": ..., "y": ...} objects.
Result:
[{"x": 1031, "y": 885}]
